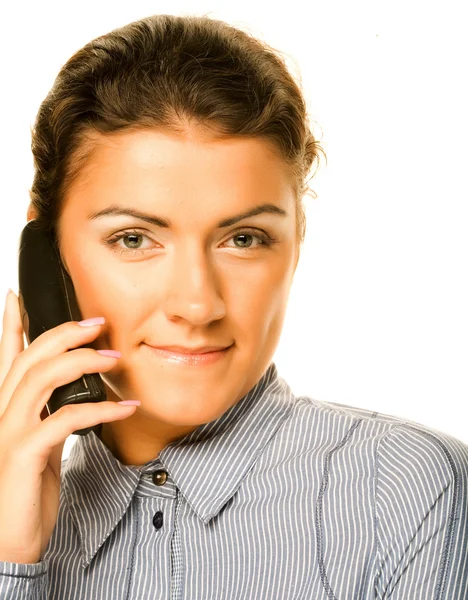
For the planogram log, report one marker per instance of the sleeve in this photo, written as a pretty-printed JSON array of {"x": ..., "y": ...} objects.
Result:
[
  {"x": 421, "y": 516},
  {"x": 23, "y": 582}
]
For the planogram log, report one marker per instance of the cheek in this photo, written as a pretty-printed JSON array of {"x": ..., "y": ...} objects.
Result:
[
  {"x": 260, "y": 303},
  {"x": 105, "y": 295},
  {"x": 100, "y": 291}
]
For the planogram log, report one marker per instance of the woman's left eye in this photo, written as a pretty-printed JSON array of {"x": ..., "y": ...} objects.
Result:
[{"x": 264, "y": 240}]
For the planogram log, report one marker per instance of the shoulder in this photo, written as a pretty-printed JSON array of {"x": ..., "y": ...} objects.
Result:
[
  {"x": 427, "y": 449},
  {"x": 422, "y": 478},
  {"x": 395, "y": 440}
]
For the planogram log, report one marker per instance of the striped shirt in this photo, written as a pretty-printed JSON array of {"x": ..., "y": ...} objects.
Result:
[{"x": 281, "y": 498}]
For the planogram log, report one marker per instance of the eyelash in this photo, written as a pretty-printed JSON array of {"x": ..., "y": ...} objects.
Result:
[{"x": 265, "y": 240}]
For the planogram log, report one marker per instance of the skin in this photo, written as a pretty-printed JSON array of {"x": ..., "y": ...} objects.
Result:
[{"x": 191, "y": 284}]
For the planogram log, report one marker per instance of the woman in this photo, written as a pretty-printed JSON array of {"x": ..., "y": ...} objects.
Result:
[{"x": 170, "y": 163}]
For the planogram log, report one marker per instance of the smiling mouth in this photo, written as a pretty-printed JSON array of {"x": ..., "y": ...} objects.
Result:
[
  {"x": 195, "y": 359},
  {"x": 193, "y": 350}
]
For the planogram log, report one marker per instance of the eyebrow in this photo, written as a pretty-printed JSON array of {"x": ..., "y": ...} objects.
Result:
[{"x": 114, "y": 210}]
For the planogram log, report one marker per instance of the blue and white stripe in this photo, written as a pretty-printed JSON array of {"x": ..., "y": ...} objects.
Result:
[{"x": 281, "y": 498}]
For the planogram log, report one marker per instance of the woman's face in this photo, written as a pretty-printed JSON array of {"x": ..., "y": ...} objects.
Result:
[{"x": 189, "y": 283}]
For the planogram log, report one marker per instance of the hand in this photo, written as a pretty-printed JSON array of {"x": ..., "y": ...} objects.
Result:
[{"x": 31, "y": 441}]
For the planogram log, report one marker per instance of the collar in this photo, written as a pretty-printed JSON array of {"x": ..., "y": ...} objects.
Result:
[{"x": 98, "y": 488}]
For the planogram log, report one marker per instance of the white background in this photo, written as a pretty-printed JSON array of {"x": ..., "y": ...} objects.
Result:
[{"x": 377, "y": 315}]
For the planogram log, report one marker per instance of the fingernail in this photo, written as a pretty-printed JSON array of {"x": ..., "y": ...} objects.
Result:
[
  {"x": 113, "y": 353},
  {"x": 94, "y": 321},
  {"x": 129, "y": 402},
  {"x": 8, "y": 293}
]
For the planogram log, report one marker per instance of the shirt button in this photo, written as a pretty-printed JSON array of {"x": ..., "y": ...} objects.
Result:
[
  {"x": 159, "y": 477},
  {"x": 158, "y": 520}
]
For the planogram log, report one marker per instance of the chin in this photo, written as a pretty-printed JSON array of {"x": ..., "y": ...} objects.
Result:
[{"x": 181, "y": 412}]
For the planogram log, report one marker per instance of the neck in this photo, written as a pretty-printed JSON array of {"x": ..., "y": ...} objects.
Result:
[{"x": 136, "y": 441}]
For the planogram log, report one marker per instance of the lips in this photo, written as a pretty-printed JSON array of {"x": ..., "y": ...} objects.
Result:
[
  {"x": 189, "y": 350},
  {"x": 196, "y": 357}
]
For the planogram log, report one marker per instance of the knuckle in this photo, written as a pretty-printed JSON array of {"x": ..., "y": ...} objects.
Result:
[
  {"x": 30, "y": 375},
  {"x": 37, "y": 375},
  {"x": 66, "y": 411}
]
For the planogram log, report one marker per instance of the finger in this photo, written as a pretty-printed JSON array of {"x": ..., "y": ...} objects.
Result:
[
  {"x": 42, "y": 441},
  {"x": 38, "y": 383},
  {"x": 51, "y": 343},
  {"x": 12, "y": 341}
]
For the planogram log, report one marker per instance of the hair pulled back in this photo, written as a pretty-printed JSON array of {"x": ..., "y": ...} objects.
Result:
[{"x": 169, "y": 72}]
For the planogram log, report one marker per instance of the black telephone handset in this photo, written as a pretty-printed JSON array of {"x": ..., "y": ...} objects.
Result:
[{"x": 47, "y": 299}]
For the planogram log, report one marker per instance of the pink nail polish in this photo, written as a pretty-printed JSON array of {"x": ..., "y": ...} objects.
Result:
[
  {"x": 93, "y": 321},
  {"x": 113, "y": 353},
  {"x": 129, "y": 402}
]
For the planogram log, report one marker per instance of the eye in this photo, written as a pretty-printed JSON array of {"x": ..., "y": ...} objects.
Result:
[
  {"x": 264, "y": 239},
  {"x": 133, "y": 236}
]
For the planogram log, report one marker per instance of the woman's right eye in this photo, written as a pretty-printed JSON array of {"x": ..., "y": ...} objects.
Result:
[{"x": 113, "y": 241}]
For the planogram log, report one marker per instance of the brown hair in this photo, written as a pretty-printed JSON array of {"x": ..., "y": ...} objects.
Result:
[{"x": 168, "y": 71}]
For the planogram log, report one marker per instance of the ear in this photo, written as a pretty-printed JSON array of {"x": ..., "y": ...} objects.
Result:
[{"x": 32, "y": 214}]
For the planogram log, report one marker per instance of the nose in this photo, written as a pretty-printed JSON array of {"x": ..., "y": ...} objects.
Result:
[{"x": 193, "y": 290}]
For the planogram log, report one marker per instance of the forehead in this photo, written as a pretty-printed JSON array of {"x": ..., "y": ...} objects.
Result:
[{"x": 190, "y": 159}]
